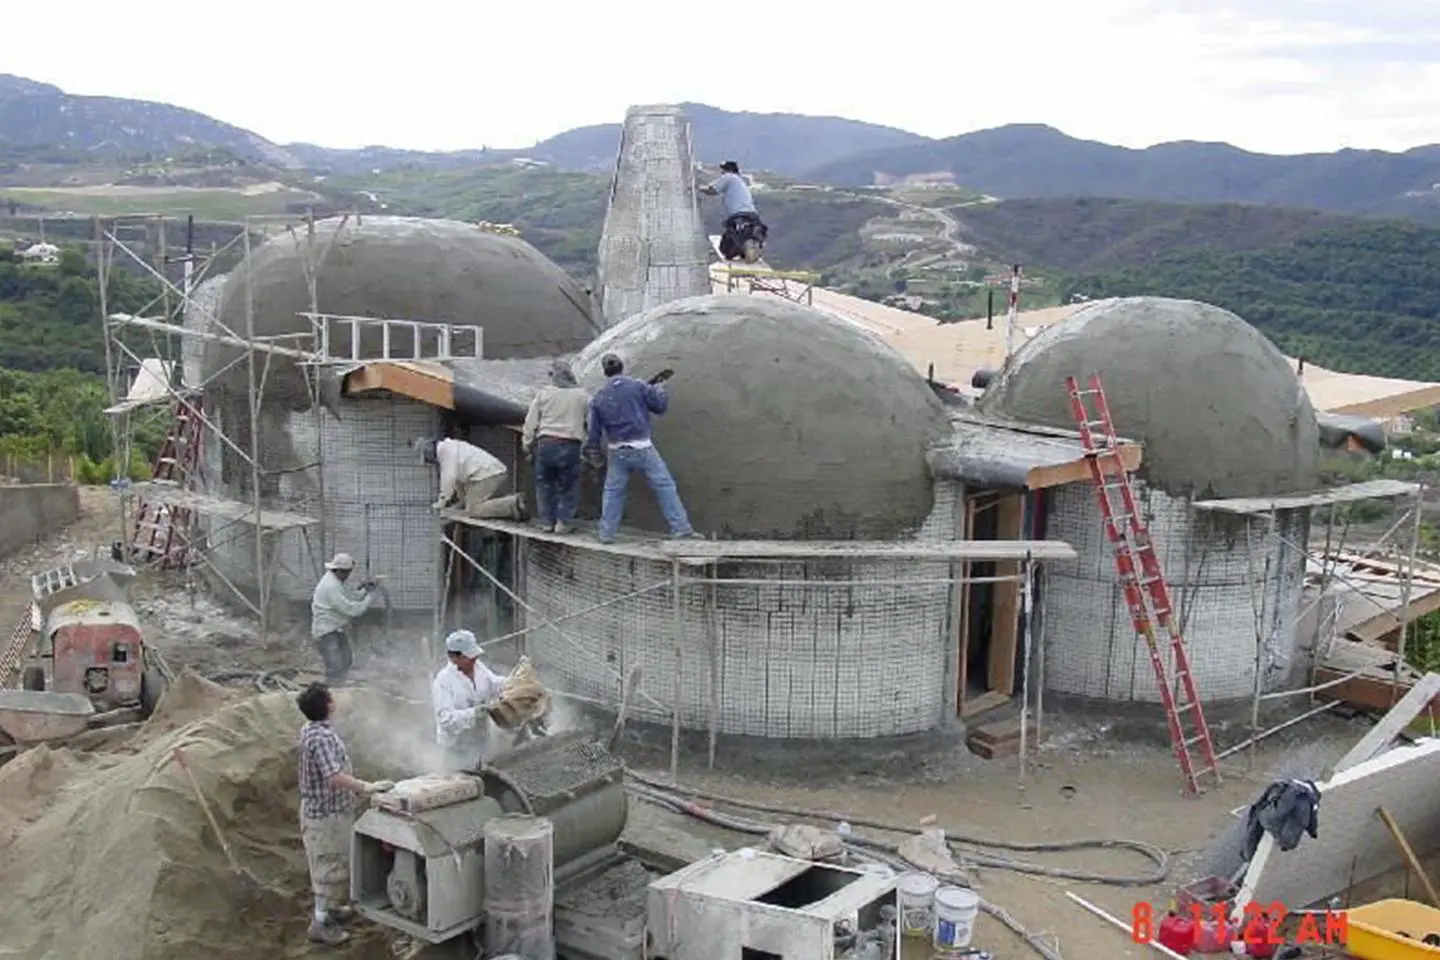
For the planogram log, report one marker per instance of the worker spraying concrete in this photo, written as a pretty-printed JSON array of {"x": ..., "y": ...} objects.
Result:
[{"x": 472, "y": 476}]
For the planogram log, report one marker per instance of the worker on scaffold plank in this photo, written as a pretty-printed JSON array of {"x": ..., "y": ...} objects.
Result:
[
  {"x": 554, "y": 431},
  {"x": 744, "y": 234},
  {"x": 472, "y": 476}
]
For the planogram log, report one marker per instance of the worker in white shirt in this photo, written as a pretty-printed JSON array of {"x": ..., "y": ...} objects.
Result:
[
  {"x": 463, "y": 693},
  {"x": 334, "y": 607},
  {"x": 472, "y": 476}
]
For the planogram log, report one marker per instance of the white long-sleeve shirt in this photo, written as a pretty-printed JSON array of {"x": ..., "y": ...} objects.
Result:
[
  {"x": 455, "y": 697},
  {"x": 334, "y": 605},
  {"x": 462, "y": 463}
]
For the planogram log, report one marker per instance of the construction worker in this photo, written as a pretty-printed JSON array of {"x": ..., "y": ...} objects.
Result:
[
  {"x": 620, "y": 416},
  {"x": 334, "y": 608},
  {"x": 742, "y": 220},
  {"x": 463, "y": 693},
  {"x": 328, "y": 788},
  {"x": 555, "y": 429},
  {"x": 472, "y": 476}
]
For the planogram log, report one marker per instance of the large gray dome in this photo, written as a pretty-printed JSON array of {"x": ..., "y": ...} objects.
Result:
[
  {"x": 1219, "y": 409},
  {"x": 782, "y": 423},
  {"x": 410, "y": 269}
]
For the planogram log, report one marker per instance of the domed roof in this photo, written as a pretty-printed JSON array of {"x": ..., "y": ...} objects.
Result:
[
  {"x": 1219, "y": 409},
  {"x": 411, "y": 269},
  {"x": 783, "y": 423}
]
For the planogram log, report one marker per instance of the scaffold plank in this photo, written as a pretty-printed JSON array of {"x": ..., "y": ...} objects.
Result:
[
  {"x": 695, "y": 552},
  {"x": 217, "y": 507}
]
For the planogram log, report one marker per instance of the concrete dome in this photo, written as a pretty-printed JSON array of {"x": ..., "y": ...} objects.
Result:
[
  {"x": 411, "y": 269},
  {"x": 1219, "y": 409},
  {"x": 783, "y": 423}
]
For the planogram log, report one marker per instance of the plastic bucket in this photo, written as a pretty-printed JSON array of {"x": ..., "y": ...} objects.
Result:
[
  {"x": 915, "y": 898},
  {"x": 955, "y": 910}
]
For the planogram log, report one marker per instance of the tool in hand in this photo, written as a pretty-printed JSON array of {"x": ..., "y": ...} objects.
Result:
[
  {"x": 247, "y": 883},
  {"x": 661, "y": 377}
]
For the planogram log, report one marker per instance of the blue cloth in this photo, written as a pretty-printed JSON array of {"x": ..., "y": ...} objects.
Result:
[
  {"x": 620, "y": 411},
  {"x": 647, "y": 460},
  {"x": 557, "y": 480}
]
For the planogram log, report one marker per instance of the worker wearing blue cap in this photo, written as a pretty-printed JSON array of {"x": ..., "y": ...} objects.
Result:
[{"x": 463, "y": 693}]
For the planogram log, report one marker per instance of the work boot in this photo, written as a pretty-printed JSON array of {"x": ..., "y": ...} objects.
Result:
[
  {"x": 341, "y": 914},
  {"x": 561, "y": 527},
  {"x": 692, "y": 535},
  {"x": 328, "y": 934}
]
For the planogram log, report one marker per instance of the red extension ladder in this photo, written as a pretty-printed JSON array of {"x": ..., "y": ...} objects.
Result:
[
  {"x": 1146, "y": 592},
  {"x": 162, "y": 530}
]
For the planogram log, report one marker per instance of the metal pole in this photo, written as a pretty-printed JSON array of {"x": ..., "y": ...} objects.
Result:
[
  {"x": 1405, "y": 588},
  {"x": 712, "y": 637},
  {"x": 1027, "y": 607},
  {"x": 1012, "y": 314},
  {"x": 678, "y": 626},
  {"x": 253, "y": 402}
]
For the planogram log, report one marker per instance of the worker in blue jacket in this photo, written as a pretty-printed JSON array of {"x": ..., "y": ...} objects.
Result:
[{"x": 620, "y": 415}]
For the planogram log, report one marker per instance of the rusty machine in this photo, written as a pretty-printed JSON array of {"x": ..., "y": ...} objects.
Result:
[{"x": 78, "y": 659}]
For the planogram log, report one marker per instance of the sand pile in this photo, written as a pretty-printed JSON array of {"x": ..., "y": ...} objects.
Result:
[{"x": 120, "y": 863}]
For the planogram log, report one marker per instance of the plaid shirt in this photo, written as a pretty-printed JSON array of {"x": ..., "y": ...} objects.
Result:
[{"x": 322, "y": 755}]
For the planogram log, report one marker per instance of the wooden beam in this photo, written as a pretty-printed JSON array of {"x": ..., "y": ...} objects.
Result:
[
  {"x": 1380, "y": 736},
  {"x": 403, "y": 381},
  {"x": 1369, "y": 693},
  {"x": 1387, "y": 624},
  {"x": 1078, "y": 470},
  {"x": 1005, "y": 621}
]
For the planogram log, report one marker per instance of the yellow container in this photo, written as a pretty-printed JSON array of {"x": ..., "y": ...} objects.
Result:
[{"x": 1375, "y": 931}]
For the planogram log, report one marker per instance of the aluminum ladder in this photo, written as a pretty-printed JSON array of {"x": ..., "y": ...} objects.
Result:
[
  {"x": 1146, "y": 592},
  {"x": 162, "y": 531}
]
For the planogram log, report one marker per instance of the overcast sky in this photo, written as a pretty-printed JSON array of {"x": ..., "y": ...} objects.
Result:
[{"x": 1281, "y": 76}]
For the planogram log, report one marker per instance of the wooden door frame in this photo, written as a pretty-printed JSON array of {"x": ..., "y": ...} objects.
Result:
[{"x": 1005, "y": 604}]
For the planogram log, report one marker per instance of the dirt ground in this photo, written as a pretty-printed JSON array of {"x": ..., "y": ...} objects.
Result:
[{"x": 1084, "y": 782}]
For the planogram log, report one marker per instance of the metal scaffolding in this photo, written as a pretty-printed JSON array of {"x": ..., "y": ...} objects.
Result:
[
  {"x": 694, "y": 567},
  {"x": 1327, "y": 669},
  {"x": 156, "y": 332}
]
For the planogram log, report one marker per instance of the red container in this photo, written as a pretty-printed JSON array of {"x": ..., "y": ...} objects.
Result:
[
  {"x": 1214, "y": 936},
  {"x": 1178, "y": 933},
  {"x": 1258, "y": 936}
]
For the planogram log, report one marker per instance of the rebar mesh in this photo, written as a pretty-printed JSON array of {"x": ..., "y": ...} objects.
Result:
[
  {"x": 822, "y": 655},
  {"x": 1092, "y": 650}
]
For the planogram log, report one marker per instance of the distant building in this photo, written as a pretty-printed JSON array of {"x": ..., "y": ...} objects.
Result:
[{"x": 41, "y": 253}]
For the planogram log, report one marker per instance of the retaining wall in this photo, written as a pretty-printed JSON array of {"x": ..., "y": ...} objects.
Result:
[{"x": 32, "y": 510}]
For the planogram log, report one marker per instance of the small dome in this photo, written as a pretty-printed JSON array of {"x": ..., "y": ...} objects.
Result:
[
  {"x": 783, "y": 423},
  {"x": 1219, "y": 409}
]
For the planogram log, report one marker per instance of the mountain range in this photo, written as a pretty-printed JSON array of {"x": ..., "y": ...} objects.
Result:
[{"x": 41, "y": 123}]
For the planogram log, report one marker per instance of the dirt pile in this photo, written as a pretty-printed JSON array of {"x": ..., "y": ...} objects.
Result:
[{"x": 119, "y": 862}]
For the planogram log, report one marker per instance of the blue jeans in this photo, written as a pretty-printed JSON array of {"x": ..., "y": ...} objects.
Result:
[
  {"x": 557, "y": 480},
  {"x": 620, "y": 463}
]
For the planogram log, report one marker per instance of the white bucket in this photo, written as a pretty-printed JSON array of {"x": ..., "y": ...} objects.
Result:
[
  {"x": 955, "y": 910},
  {"x": 915, "y": 897}
]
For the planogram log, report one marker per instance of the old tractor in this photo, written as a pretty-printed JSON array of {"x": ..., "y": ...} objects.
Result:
[{"x": 80, "y": 658}]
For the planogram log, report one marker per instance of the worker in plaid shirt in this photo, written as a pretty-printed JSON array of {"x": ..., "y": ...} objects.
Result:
[{"x": 328, "y": 789}]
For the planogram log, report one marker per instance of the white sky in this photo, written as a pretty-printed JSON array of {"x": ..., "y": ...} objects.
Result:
[{"x": 1283, "y": 76}]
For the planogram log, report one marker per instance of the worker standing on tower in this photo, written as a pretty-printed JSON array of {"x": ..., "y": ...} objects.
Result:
[
  {"x": 472, "y": 476},
  {"x": 620, "y": 418},
  {"x": 555, "y": 429},
  {"x": 743, "y": 236}
]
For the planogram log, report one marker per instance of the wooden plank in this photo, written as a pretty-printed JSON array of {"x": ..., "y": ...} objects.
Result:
[
  {"x": 1001, "y": 548},
  {"x": 404, "y": 380},
  {"x": 1005, "y": 622},
  {"x": 989, "y": 700},
  {"x": 1379, "y": 737},
  {"x": 1002, "y": 731},
  {"x": 1078, "y": 470},
  {"x": 1371, "y": 693},
  {"x": 1386, "y": 626}
]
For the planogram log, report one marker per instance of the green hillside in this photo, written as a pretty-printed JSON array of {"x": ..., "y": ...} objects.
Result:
[{"x": 1365, "y": 299}]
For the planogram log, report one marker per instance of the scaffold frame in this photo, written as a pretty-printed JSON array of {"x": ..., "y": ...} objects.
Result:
[{"x": 693, "y": 565}]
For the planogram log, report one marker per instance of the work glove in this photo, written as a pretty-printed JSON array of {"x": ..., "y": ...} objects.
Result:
[
  {"x": 379, "y": 786},
  {"x": 437, "y": 506},
  {"x": 368, "y": 585}
]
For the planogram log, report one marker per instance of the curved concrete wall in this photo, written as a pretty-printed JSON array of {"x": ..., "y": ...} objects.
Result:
[
  {"x": 377, "y": 502},
  {"x": 1090, "y": 643},
  {"x": 811, "y": 661}
]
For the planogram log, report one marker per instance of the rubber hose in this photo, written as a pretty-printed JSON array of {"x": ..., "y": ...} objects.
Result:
[{"x": 966, "y": 846}]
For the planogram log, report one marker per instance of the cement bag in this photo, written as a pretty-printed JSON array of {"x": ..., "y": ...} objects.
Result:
[{"x": 522, "y": 698}]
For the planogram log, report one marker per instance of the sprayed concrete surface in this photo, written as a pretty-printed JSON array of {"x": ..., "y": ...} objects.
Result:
[
  {"x": 31, "y": 511},
  {"x": 397, "y": 267},
  {"x": 653, "y": 248},
  {"x": 782, "y": 423},
  {"x": 1217, "y": 406}
]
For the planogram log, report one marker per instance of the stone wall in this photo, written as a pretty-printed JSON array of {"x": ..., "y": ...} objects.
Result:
[{"x": 34, "y": 510}]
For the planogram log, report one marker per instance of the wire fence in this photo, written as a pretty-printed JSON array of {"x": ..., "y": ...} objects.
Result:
[{"x": 51, "y": 467}]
